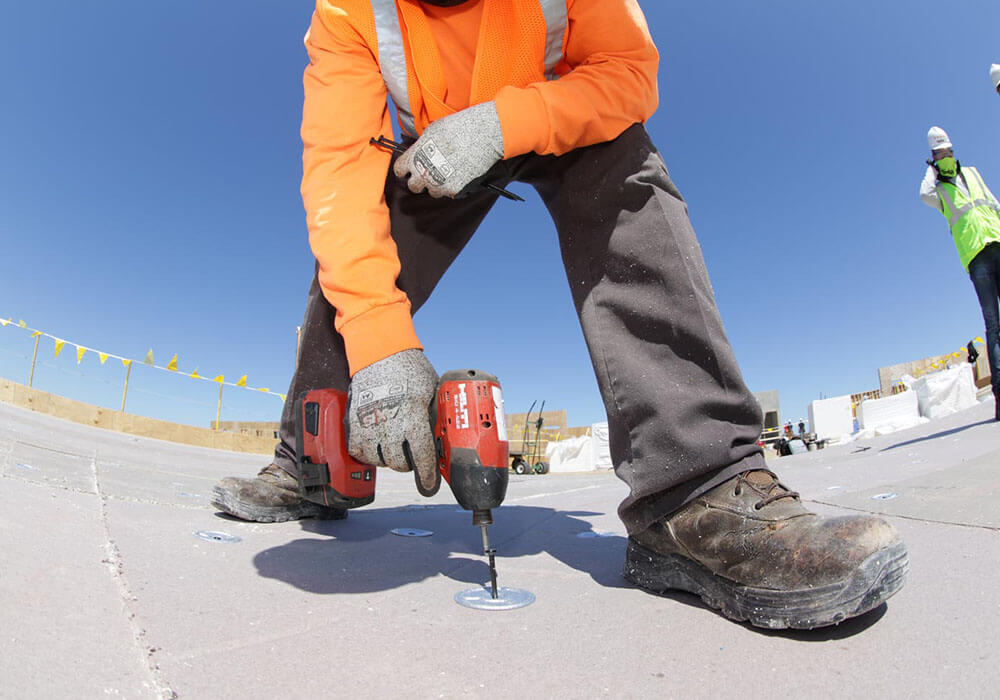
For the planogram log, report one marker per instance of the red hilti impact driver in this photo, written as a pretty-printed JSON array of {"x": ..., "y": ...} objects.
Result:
[{"x": 470, "y": 439}]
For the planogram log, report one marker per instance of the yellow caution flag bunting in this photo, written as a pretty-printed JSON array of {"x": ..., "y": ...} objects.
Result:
[
  {"x": 980, "y": 340},
  {"x": 172, "y": 365}
]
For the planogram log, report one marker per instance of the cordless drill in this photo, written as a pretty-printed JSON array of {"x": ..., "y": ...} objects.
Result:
[
  {"x": 327, "y": 472},
  {"x": 470, "y": 439}
]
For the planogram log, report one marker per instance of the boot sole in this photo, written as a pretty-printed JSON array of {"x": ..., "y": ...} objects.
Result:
[
  {"x": 254, "y": 512},
  {"x": 877, "y": 578}
]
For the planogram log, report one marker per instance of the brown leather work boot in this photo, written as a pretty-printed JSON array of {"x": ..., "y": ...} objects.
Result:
[
  {"x": 270, "y": 497},
  {"x": 750, "y": 549}
]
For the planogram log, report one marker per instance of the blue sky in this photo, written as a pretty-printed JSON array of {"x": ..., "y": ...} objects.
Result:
[{"x": 149, "y": 199}]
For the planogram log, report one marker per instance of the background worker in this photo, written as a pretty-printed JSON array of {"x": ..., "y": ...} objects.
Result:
[
  {"x": 995, "y": 76},
  {"x": 973, "y": 214},
  {"x": 552, "y": 93}
]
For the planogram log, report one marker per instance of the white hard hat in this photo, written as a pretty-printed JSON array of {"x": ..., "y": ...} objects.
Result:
[
  {"x": 937, "y": 138},
  {"x": 995, "y": 75}
]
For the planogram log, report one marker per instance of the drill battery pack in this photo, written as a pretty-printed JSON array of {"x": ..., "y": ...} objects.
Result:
[{"x": 327, "y": 473}]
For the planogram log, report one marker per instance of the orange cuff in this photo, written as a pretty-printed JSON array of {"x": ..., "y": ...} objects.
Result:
[
  {"x": 376, "y": 334},
  {"x": 523, "y": 120}
]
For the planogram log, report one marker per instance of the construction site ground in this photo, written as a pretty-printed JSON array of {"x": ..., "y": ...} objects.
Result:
[{"x": 107, "y": 590}]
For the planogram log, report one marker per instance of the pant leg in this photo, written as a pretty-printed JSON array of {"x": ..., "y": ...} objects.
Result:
[
  {"x": 429, "y": 234},
  {"x": 984, "y": 270},
  {"x": 680, "y": 418}
]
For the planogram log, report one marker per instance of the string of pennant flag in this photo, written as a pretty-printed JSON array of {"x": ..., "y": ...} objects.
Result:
[
  {"x": 103, "y": 357},
  {"x": 172, "y": 365},
  {"x": 943, "y": 362}
]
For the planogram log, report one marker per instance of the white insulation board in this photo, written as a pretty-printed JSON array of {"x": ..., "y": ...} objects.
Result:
[
  {"x": 831, "y": 418},
  {"x": 900, "y": 409}
]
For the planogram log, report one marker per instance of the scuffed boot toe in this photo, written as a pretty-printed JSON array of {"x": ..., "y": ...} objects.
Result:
[
  {"x": 751, "y": 550},
  {"x": 270, "y": 497}
]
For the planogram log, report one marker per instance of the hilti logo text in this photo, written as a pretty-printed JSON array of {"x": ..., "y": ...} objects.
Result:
[{"x": 461, "y": 409}]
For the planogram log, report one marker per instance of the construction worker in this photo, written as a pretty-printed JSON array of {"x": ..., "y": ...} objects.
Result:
[
  {"x": 995, "y": 76},
  {"x": 552, "y": 93},
  {"x": 973, "y": 214}
]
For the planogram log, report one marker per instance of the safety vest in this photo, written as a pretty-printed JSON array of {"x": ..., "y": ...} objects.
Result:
[
  {"x": 974, "y": 218},
  {"x": 521, "y": 42}
]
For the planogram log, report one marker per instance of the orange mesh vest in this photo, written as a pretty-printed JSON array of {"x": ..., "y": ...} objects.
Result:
[{"x": 520, "y": 42}]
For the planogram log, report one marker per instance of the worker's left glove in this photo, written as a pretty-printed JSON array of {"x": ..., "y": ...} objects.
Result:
[{"x": 454, "y": 152}]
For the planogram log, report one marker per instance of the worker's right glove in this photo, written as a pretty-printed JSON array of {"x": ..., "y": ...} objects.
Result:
[
  {"x": 454, "y": 152},
  {"x": 388, "y": 416}
]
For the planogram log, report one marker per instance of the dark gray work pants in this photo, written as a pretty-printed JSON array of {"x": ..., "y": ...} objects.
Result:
[
  {"x": 680, "y": 418},
  {"x": 984, "y": 271}
]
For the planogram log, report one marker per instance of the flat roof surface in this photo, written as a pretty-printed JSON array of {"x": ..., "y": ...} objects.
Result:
[{"x": 107, "y": 591}]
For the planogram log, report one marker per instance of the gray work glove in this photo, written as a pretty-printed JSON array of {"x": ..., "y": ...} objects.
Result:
[
  {"x": 453, "y": 152},
  {"x": 388, "y": 417}
]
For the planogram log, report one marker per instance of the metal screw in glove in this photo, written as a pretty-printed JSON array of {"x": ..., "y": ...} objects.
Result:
[
  {"x": 388, "y": 417},
  {"x": 453, "y": 152}
]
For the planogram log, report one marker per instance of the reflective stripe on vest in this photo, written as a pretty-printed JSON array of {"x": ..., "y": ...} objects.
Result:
[
  {"x": 555, "y": 29},
  {"x": 392, "y": 60},
  {"x": 392, "y": 53},
  {"x": 982, "y": 200}
]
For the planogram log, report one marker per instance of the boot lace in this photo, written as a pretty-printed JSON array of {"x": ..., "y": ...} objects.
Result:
[
  {"x": 768, "y": 495},
  {"x": 274, "y": 474}
]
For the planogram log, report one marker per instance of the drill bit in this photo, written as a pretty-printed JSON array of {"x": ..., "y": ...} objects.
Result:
[{"x": 491, "y": 553}]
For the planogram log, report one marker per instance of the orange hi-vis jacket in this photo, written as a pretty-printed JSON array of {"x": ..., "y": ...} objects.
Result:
[{"x": 563, "y": 74}]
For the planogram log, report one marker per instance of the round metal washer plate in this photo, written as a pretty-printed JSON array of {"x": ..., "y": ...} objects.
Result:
[
  {"x": 507, "y": 598},
  {"x": 411, "y": 532},
  {"x": 213, "y": 536}
]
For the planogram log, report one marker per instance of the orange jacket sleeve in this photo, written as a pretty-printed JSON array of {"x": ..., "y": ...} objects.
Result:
[
  {"x": 343, "y": 185},
  {"x": 611, "y": 84}
]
